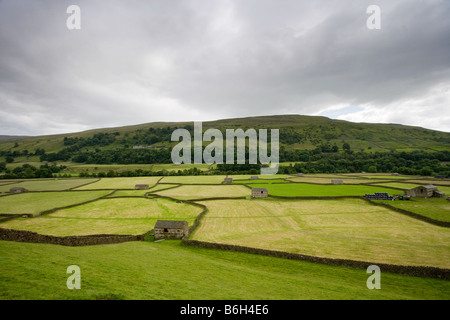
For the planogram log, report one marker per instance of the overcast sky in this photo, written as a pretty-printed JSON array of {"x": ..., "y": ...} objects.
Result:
[{"x": 142, "y": 61}]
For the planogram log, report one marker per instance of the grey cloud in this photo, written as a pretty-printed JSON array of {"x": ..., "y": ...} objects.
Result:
[{"x": 142, "y": 61}]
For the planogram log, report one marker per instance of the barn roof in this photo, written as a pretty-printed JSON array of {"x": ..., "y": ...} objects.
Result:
[
  {"x": 259, "y": 189},
  {"x": 171, "y": 224},
  {"x": 429, "y": 187}
]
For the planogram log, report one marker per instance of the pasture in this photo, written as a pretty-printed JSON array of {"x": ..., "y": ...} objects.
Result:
[
  {"x": 313, "y": 190},
  {"x": 169, "y": 271}
]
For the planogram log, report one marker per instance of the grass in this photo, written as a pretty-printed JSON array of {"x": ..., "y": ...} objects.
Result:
[
  {"x": 312, "y": 190},
  {"x": 167, "y": 270},
  {"x": 343, "y": 228},
  {"x": 434, "y": 208},
  {"x": 34, "y": 203},
  {"x": 202, "y": 192},
  {"x": 120, "y": 183},
  {"x": 107, "y": 216}
]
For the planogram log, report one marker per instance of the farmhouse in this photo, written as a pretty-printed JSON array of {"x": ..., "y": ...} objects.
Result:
[
  {"x": 260, "y": 193},
  {"x": 171, "y": 229},
  {"x": 427, "y": 191},
  {"x": 227, "y": 180},
  {"x": 17, "y": 190},
  {"x": 337, "y": 181},
  {"x": 141, "y": 187}
]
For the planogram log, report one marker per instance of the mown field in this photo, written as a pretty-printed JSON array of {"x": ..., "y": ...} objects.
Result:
[
  {"x": 169, "y": 271},
  {"x": 107, "y": 216},
  {"x": 343, "y": 228}
]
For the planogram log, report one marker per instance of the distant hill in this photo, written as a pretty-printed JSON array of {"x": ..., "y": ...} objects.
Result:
[{"x": 297, "y": 132}]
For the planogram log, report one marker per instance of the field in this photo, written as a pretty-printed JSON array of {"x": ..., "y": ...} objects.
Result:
[
  {"x": 107, "y": 216},
  {"x": 343, "y": 228},
  {"x": 167, "y": 270},
  {"x": 34, "y": 203},
  {"x": 313, "y": 190}
]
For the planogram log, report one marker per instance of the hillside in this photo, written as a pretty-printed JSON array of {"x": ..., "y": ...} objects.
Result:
[{"x": 296, "y": 132}]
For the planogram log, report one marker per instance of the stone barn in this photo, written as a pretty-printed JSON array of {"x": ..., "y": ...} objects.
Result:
[
  {"x": 227, "y": 180},
  {"x": 427, "y": 191},
  {"x": 337, "y": 181},
  {"x": 141, "y": 187},
  {"x": 299, "y": 174},
  {"x": 17, "y": 190},
  {"x": 171, "y": 229},
  {"x": 260, "y": 193},
  {"x": 254, "y": 178}
]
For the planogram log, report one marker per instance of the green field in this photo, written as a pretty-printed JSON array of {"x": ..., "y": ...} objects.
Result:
[
  {"x": 169, "y": 271},
  {"x": 312, "y": 190},
  {"x": 34, "y": 203},
  {"x": 108, "y": 216},
  {"x": 434, "y": 208},
  {"x": 47, "y": 184},
  {"x": 343, "y": 228}
]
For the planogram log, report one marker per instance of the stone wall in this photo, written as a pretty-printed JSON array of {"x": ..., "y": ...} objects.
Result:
[{"x": 28, "y": 236}]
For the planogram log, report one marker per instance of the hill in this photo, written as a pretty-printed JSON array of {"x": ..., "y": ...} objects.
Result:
[
  {"x": 309, "y": 139},
  {"x": 296, "y": 132}
]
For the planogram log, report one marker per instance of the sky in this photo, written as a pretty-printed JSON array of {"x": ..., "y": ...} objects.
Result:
[{"x": 141, "y": 61}]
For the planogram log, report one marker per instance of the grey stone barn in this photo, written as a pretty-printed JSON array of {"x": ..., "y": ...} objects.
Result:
[
  {"x": 227, "y": 180},
  {"x": 260, "y": 193},
  {"x": 427, "y": 191},
  {"x": 171, "y": 229},
  {"x": 337, "y": 181},
  {"x": 254, "y": 178},
  {"x": 17, "y": 190},
  {"x": 141, "y": 187}
]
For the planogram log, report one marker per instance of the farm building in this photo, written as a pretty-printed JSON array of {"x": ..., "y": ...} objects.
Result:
[
  {"x": 299, "y": 174},
  {"x": 17, "y": 190},
  {"x": 260, "y": 193},
  {"x": 227, "y": 180},
  {"x": 254, "y": 178},
  {"x": 141, "y": 187},
  {"x": 427, "y": 191},
  {"x": 337, "y": 181},
  {"x": 395, "y": 173},
  {"x": 171, "y": 229}
]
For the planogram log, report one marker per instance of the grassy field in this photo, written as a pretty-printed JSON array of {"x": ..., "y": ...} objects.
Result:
[
  {"x": 434, "y": 208},
  {"x": 167, "y": 270},
  {"x": 120, "y": 183},
  {"x": 344, "y": 228},
  {"x": 323, "y": 180},
  {"x": 202, "y": 192},
  {"x": 312, "y": 190},
  {"x": 33, "y": 203},
  {"x": 108, "y": 216},
  {"x": 47, "y": 184}
]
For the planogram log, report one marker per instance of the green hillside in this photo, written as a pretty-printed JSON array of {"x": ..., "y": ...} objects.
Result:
[
  {"x": 296, "y": 132},
  {"x": 321, "y": 144}
]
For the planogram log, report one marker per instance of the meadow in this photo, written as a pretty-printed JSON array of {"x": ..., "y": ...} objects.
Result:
[
  {"x": 342, "y": 228},
  {"x": 107, "y": 216},
  {"x": 314, "y": 190},
  {"x": 169, "y": 271}
]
